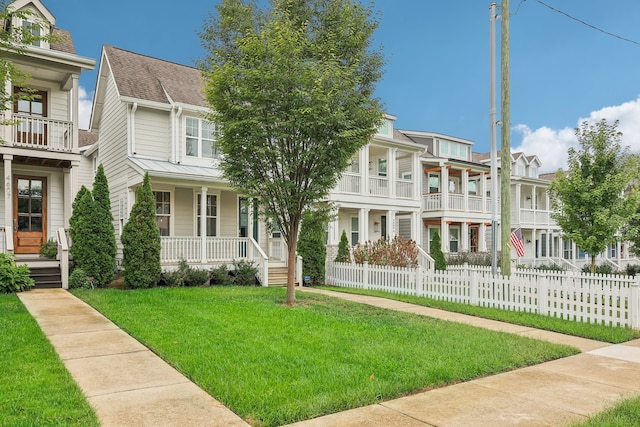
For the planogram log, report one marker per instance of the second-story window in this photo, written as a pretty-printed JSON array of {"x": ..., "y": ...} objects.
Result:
[
  {"x": 200, "y": 138},
  {"x": 33, "y": 30}
]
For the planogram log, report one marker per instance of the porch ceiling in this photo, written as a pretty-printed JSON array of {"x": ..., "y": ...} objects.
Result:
[{"x": 41, "y": 161}]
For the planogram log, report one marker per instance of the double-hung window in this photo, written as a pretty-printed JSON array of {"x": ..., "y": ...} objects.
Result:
[
  {"x": 211, "y": 212},
  {"x": 163, "y": 211},
  {"x": 200, "y": 138}
]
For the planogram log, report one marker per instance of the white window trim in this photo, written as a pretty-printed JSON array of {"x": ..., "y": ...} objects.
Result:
[{"x": 172, "y": 207}]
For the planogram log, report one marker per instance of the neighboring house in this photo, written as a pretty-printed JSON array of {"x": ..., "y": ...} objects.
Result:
[
  {"x": 150, "y": 116},
  {"x": 379, "y": 194},
  {"x": 41, "y": 152}
]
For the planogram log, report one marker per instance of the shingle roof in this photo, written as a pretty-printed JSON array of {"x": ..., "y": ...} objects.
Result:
[
  {"x": 65, "y": 44},
  {"x": 479, "y": 157},
  {"x": 143, "y": 77},
  {"x": 86, "y": 138}
]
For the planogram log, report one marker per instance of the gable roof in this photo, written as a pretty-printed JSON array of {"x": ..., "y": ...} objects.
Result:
[
  {"x": 65, "y": 43},
  {"x": 146, "y": 78},
  {"x": 86, "y": 138}
]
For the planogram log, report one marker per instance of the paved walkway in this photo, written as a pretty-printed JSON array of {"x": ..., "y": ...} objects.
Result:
[{"x": 129, "y": 386}]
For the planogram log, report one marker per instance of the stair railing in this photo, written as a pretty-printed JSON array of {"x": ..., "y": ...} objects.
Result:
[{"x": 63, "y": 257}]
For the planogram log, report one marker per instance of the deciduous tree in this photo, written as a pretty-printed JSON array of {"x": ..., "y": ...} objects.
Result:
[
  {"x": 292, "y": 88},
  {"x": 593, "y": 200}
]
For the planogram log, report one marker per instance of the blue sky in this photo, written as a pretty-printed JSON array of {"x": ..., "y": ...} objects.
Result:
[{"x": 437, "y": 52}]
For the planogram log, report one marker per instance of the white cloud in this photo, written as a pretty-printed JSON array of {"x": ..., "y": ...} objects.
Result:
[
  {"x": 85, "y": 102},
  {"x": 551, "y": 145}
]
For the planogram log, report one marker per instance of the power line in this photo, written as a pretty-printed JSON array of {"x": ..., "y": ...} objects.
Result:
[{"x": 585, "y": 23}]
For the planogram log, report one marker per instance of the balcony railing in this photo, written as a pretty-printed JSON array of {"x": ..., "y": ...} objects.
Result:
[
  {"x": 455, "y": 202},
  {"x": 379, "y": 186},
  {"x": 535, "y": 217},
  {"x": 349, "y": 183},
  {"x": 404, "y": 188},
  {"x": 42, "y": 133}
]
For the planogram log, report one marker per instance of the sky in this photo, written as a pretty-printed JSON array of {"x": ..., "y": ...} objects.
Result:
[{"x": 436, "y": 77}]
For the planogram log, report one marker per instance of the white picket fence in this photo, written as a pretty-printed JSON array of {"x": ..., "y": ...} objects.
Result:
[{"x": 600, "y": 299}]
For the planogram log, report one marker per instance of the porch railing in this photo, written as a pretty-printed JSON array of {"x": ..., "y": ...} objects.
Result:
[
  {"x": 63, "y": 256},
  {"x": 6, "y": 240},
  {"x": 217, "y": 250},
  {"x": 42, "y": 133},
  {"x": 379, "y": 186},
  {"x": 349, "y": 183},
  {"x": 404, "y": 188}
]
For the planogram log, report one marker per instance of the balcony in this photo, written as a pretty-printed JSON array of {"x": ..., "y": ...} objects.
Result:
[
  {"x": 434, "y": 202},
  {"x": 379, "y": 186},
  {"x": 42, "y": 134},
  {"x": 533, "y": 217}
]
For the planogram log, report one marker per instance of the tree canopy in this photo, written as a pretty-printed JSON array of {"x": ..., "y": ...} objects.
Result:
[
  {"x": 594, "y": 199},
  {"x": 291, "y": 87}
]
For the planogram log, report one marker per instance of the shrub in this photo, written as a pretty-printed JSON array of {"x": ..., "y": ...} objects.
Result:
[
  {"x": 435, "y": 250},
  {"x": 13, "y": 278},
  {"x": 311, "y": 245},
  {"x": 197, "y": 277},
  {"x": 178, "y": 277},
  {"x": 244, "y": 273},
  {"x": 343, "y": 249},
  {"x": 80, "y": 227},
  {"x": 49, "y": 249},
  {"x": 78, "y": 279},
  {"x": 633, "y": 269},
  {"x": 396, "y": 252},
  {"x": 102, "y": 263},
  {"x": 600, "y": 269},
  {"x": 220, "y": 276},
  {"x": 141, "y": 241}
]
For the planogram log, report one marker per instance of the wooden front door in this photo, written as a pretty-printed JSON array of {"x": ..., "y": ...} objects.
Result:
[{"x": 29, "y": 214}]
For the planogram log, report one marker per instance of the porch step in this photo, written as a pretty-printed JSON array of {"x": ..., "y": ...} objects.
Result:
[
  {"x": 45, "y": 272},
  {"x": 277, "y": 276}
]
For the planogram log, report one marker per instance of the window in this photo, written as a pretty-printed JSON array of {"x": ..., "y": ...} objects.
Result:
[
  {"x": 472, "y": 187},
  {"x": 34, "y": 30},
  {"x": 454, "y": 233},
  {"x": 520, "y": 170},
  {"x": 543, "y": 245},
  {"x": 533, "y": 172},
  {"x": 212, "y": 214},
  {"x": 382, "y": 167},
  {"x": 201, "y": 138},
  {"x": 163, "y": 211},
  {"x": 434, "y": 183},
  {"x": 444, "y": 147},
  {"x": 31, "y": 130},
  {"x": 355, "y": 231},
  {"x": 383, "y": 227},
  {"x": 355, "y": 164}
]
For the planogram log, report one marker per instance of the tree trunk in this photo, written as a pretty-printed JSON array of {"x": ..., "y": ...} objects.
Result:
[
  {"x": 593, "y": 264},
  {"x": 291, "y": 269}
]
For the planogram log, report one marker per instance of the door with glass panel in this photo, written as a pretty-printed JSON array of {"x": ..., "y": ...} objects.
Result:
[{"x": 29, "y": 214}]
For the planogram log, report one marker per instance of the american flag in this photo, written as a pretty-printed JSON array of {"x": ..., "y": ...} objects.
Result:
[{"x": 517, "y": 242}]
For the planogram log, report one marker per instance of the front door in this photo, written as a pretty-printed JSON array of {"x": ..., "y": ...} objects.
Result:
[{"x": 29, "y": 214}]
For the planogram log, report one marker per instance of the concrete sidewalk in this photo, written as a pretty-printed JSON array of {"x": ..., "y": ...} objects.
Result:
[
  {"x": 125, "y": 383},
  {"x": 128, "y": 385}
]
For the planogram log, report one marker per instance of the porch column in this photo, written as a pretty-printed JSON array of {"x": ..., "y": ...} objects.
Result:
[
  {"x": 463, "y": 241},
  {"x": 69, "y": 196},
  {"x": 364, "y": 170},
  {"x": 8, "y": 195},
  {"x": 415, "y": 227},
  {"x": 483, "y": 191},
  {"x": 203, "y": 224},
  {"x": 518, "y": 205},
  {"x": 334, "y": 231},
  {"x": 7, "y": 131},
  {"x": 75, "y": 167},
  {"x": 391, "y": 224},
  {"x": 74, "y": 111},
  {"x": 444, "y": 187},
  {"x": 464, "y": 186},
  {"x": 482, "y": 241},
  {"x": 417, "y": 175},
  {"x": 363, "y": 223},
  {"x": 444, "y": 236},
  {"x": 391, "y": 170}
]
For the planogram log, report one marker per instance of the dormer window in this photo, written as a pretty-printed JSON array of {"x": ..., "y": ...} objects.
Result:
[
  {"x": 200, "y": 138},
  {"x": 34, "y": 30}
]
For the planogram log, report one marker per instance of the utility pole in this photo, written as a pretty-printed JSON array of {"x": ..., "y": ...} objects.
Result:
[
  {"x": 493, "y": 123},
  {"x": 505, "y": 162}
]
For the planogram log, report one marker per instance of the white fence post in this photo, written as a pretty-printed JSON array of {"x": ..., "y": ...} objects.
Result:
[
  {"x": 634, "y": 304},
  {"x": 543, "y": 294},
  {"x": 419, "y": 281},
  {"x": 473, "y": 288},
  {"x": 365, "y": 275}
]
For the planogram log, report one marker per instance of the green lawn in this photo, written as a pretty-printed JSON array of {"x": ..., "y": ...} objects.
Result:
[
  {"x": 273, "y": 364},
  {"x": 585, "y": 330},
  {"x": 624, "y": 414},
  {"x": 35, "y": 387}
]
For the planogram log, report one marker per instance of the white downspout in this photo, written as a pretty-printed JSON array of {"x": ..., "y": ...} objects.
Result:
[
  {"x": 176, "y": 135},
  {"x": 132, "y": 128}
]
